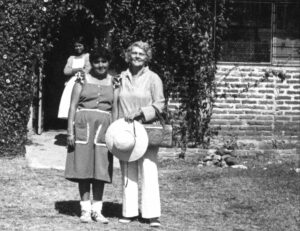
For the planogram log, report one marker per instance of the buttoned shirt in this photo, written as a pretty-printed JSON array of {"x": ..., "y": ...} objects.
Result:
[{"x": 140, "y": 92}]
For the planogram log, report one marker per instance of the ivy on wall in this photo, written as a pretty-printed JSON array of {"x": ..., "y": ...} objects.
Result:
[
  {"x": 19, "y": 43},
  {"x": 185, "y": 35},
  {"x": 28, "y": 29}
]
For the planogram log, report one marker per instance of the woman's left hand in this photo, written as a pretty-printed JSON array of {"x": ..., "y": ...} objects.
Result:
[{"x": 133, "y": 116}]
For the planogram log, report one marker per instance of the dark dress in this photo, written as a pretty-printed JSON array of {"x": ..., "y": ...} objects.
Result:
[{"x": 90, "y": 158}]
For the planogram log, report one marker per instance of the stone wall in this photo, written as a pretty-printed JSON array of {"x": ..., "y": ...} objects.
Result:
[{"x": 255, "y": 109}]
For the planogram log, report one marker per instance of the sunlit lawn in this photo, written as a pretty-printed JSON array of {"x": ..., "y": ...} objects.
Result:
[{"x": 264, "y": 197}]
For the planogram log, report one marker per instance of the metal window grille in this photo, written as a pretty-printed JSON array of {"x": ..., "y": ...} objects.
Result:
[{"x": 263, "y": 32}]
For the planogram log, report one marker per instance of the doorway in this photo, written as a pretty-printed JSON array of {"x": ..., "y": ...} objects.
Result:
[{"x": 54, "y": 81}]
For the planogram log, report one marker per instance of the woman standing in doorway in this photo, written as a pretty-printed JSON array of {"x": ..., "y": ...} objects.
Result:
[
  {"x": 77, "y": 63},
  {"x": 88, "y": 161},
  {"x": 140, "y": 89}
]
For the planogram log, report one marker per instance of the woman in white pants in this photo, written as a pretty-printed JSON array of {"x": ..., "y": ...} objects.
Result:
[{"x": 139, "y": 89}]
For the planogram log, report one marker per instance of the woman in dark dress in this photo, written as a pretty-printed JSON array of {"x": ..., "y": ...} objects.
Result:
[{"x": 88, "y": 161}]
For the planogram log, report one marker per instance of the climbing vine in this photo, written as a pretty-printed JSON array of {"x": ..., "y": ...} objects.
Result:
[
  {"x": 186, "y": 37},
  {"x": 264, "y": 78},
  {"x": 28, "y": 30}
]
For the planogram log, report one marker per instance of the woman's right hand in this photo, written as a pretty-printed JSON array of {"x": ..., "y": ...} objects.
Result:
[
  {"x": 130, "y": 117},
  {"x": 71, "y": 140},
  {"x": 80, "y": 77},
  {"x": 116, "y": 81}
]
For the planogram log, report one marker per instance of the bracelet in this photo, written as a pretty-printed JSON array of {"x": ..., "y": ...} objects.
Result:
[{"x": 70, "y": 135}]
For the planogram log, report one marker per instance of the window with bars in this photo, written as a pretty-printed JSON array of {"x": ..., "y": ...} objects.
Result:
[{"x": 263, "y": 32}]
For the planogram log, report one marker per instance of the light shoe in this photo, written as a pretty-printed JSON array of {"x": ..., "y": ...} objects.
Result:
[
  {"x": 126, "y": 220},
  {"x": 85, "y": 211},
  {"x": 154, "y": 223},
  {"x": 85, "y": 216},
  {"x": 97, "y": 216}
]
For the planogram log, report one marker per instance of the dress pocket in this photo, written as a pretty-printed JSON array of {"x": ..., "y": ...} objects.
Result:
[
  {"x": 82, "y": 133},
  {"x": 100, "y": 137}
]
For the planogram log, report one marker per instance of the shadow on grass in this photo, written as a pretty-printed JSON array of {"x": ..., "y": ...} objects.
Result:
[
  {"x": 61, "y": 140},
  {"x": 72, "y": 208},
  {"x": 111, "y": 209}
]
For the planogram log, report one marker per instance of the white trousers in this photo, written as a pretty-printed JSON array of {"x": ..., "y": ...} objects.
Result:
[{"x": 150, "y": 199}]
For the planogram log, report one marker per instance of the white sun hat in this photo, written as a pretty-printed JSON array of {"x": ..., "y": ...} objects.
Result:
[{"x": 126, "y": 141}]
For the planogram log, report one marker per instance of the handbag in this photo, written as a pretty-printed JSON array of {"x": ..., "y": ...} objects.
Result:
[{"x": 160, "y": 135}]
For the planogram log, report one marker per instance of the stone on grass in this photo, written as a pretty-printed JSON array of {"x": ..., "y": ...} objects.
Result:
[
  {"x": 224, "y": 164},
  {"x": 208, "y": 158},
  {"x": 209, "y": 163},
  {"x": 225, "y": 157},
  {"x": 211, "y": 152},
  {"x": 200, "y": 165},
  {"x": 217, "y": 157},
  {"x": 215, "y": 162},
  {"x": 231, "y": 161},
  {"x": 239, "y": 166},
  {"x": 224, "y": 151}
]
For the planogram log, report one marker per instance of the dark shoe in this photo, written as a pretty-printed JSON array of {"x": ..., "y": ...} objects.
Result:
[{"x": 154, "y": 222}]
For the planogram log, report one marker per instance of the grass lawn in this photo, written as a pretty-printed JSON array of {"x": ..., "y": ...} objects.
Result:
[{"x": 263, "y": 197}]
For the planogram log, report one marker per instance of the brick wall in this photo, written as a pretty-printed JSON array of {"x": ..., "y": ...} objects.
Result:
[{"x": 270, "y": 109}]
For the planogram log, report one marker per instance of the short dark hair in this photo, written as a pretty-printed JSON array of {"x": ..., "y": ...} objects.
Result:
[
  {"x": 79, "y": 39},
  {"x": 100, "y": 52}
]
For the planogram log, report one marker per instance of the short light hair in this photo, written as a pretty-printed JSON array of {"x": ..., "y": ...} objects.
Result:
[{"x": 140, "y": 44}]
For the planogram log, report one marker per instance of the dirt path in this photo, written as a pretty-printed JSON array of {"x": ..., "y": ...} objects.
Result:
[{"x": 48, "y": 150}]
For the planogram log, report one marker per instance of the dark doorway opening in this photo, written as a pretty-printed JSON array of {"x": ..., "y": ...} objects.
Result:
[{"x": 54, "y": 81}]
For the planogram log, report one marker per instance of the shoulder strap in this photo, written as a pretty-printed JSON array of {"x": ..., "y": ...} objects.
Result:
[{"x": 159, "y": 116}]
